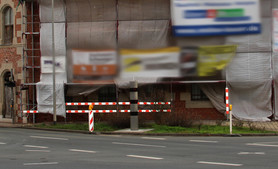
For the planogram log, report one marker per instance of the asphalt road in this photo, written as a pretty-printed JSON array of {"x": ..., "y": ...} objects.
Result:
[{"x": 26, "y": 148}]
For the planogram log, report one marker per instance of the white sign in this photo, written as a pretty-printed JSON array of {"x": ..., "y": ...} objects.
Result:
[
  {"x": 215, "y": 17},
  {"x": 47, "y": 66},
  {"x": 275, "y": 30},
  {"x": 150, "y": 63},
  {"x": 94, "y": 57}
]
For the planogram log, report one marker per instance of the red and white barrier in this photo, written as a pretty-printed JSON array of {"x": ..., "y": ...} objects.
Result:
[
  {"x": 30, "y": 111},
  {"x": 91, "y": 121},
  {"x": 101, "y": 111},
  {"x": 227, "y": 101},
  {"x": 90, "y": 103},
  {"x": 113, "y": 103},
  {"x": 114, "y": 111},
  {"x": 94, "y": 111}
]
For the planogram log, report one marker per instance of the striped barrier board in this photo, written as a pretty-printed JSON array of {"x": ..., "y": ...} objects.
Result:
[
  {"x": 94, "y": 111},
  {"x": 101, "y": 111},
  {"x": 91, "y": 121},
  {"x": 30, "y": 111},
  {"x": 113, "y": 103},
  {"x": 114, "y": 111}
]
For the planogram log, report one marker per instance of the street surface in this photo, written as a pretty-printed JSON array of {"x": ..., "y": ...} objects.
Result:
[{"x": 26, "y": 148}]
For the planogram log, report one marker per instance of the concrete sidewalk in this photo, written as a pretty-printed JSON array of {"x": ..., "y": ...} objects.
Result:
[{"x": 10, "y": 125}]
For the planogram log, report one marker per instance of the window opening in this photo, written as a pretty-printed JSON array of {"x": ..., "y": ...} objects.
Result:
[
  {"x": 197, "y": 94},
  {"x": 8, "y": 25}
]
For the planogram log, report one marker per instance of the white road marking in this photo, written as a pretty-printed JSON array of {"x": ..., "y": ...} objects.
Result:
[
  {"x": 51, "y": 138},
  {"x": 112, "y": 135},
  {"x": 145, "y": 157},
  {"x": 83, "y": 151},
  {"x": 256, "y": 153},
  {"x": 143, "y": 145},
  {"x": 45, "y": 151},
  {"x": 263, "y": 145},
  {"x": 2, "y": 143},
  {"x": 153, "y": 138},
  {"x": 203, "y": 141},
  {"x": 47, "y": 163},
  {"x": 32, "y": 146},
  {"x": 217, "y": 163}
]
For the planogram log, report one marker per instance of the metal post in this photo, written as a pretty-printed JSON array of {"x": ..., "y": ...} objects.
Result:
[
  {"x": 33, "y": 62},
  {"x": 133, "y": 105},
  {"x": 53, "y": 66},
  {"x": 231, "y": 123}
]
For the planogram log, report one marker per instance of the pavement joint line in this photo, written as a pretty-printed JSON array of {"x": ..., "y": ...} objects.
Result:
[
  {"x": 145, "y": 157},
  {"x": 203, "y": 141},
  {"x": 143, "y": 145},
  {"x": 219, "y": 163},
  {"x": 33, "y": 146},
  {"x": 44, "y": 151},
  {"x": 46, "y": 163},
  {"x": 83, "y": 151},
  {"x": 51, "y": 138},
  {"x": 153, "y": 138}
]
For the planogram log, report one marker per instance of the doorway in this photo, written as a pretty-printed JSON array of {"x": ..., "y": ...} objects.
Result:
[{"x": 8, "y": 97}]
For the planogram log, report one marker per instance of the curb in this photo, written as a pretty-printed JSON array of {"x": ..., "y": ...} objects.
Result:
[{"x": 145, "y": 134}]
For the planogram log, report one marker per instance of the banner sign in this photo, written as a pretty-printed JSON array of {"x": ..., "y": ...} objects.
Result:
[
  {"x": 275, "y": 30},
  {"x": 47, "y": 66},
  {"x": 214, "y": 58},
  {"x": 154, "y": 63},
  {"x": 215, "y": 17},
  {"x": 93, "y": 65}
]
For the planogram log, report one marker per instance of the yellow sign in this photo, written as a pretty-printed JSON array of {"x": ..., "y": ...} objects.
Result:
[
  {"x": 91, "y": 107},
  {"x": 214, "y": 58}
]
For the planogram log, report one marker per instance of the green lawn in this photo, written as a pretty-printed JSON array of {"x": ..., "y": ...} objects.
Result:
[
  {"x": 79, "y": 126},
  {"x": 203, "y": 129}
]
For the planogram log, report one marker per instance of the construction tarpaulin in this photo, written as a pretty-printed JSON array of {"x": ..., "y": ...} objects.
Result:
[
  {"x": 44, "y": 87},
  {"x": 146, "y": 24},
  {"x": 45, "y": 98}
]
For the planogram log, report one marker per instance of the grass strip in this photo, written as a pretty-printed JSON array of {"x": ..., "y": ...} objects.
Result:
[
  {"x": 99, "y": 127},
  {"x": 204, "y": 129},
  {"x": 201, "y": 129}
]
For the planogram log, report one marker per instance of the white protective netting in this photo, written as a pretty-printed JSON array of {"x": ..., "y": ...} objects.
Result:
[
  {"x": 141, "y": 24},
  {"x": 45, "y": 87}
]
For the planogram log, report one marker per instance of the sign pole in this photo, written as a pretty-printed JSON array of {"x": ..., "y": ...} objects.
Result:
[
  {"x": 53, "y": 67},
  {"x": 231, "y": 120}
]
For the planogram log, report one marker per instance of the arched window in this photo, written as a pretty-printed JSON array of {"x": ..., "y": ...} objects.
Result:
[{"x": 8, "y": 25}]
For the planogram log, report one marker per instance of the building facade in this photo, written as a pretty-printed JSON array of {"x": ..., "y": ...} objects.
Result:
[
  {"x": 26, "y": 51},
  {"x": 11, "y": 66}
]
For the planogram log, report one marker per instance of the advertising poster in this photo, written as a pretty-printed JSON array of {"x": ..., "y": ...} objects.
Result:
[
  {"x": 94, "y": 65},
  {"x": 214, "y": 58},
  {"x": 275, "y": 30},
  {"x": 188, "y": 61},
  {"x": 154, "y": 63},
  {"x": 215, "y": 17}
]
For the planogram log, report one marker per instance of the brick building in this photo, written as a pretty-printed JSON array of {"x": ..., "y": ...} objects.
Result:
[
  {"x": 17, "y": 19},
  {"x": 11, "y": 49}
]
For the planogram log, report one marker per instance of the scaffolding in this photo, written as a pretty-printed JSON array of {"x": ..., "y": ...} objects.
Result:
[{"x": 31, "y": 55}]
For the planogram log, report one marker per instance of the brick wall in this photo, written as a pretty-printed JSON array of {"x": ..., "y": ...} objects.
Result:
[{"x": 10, "y": 55}]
